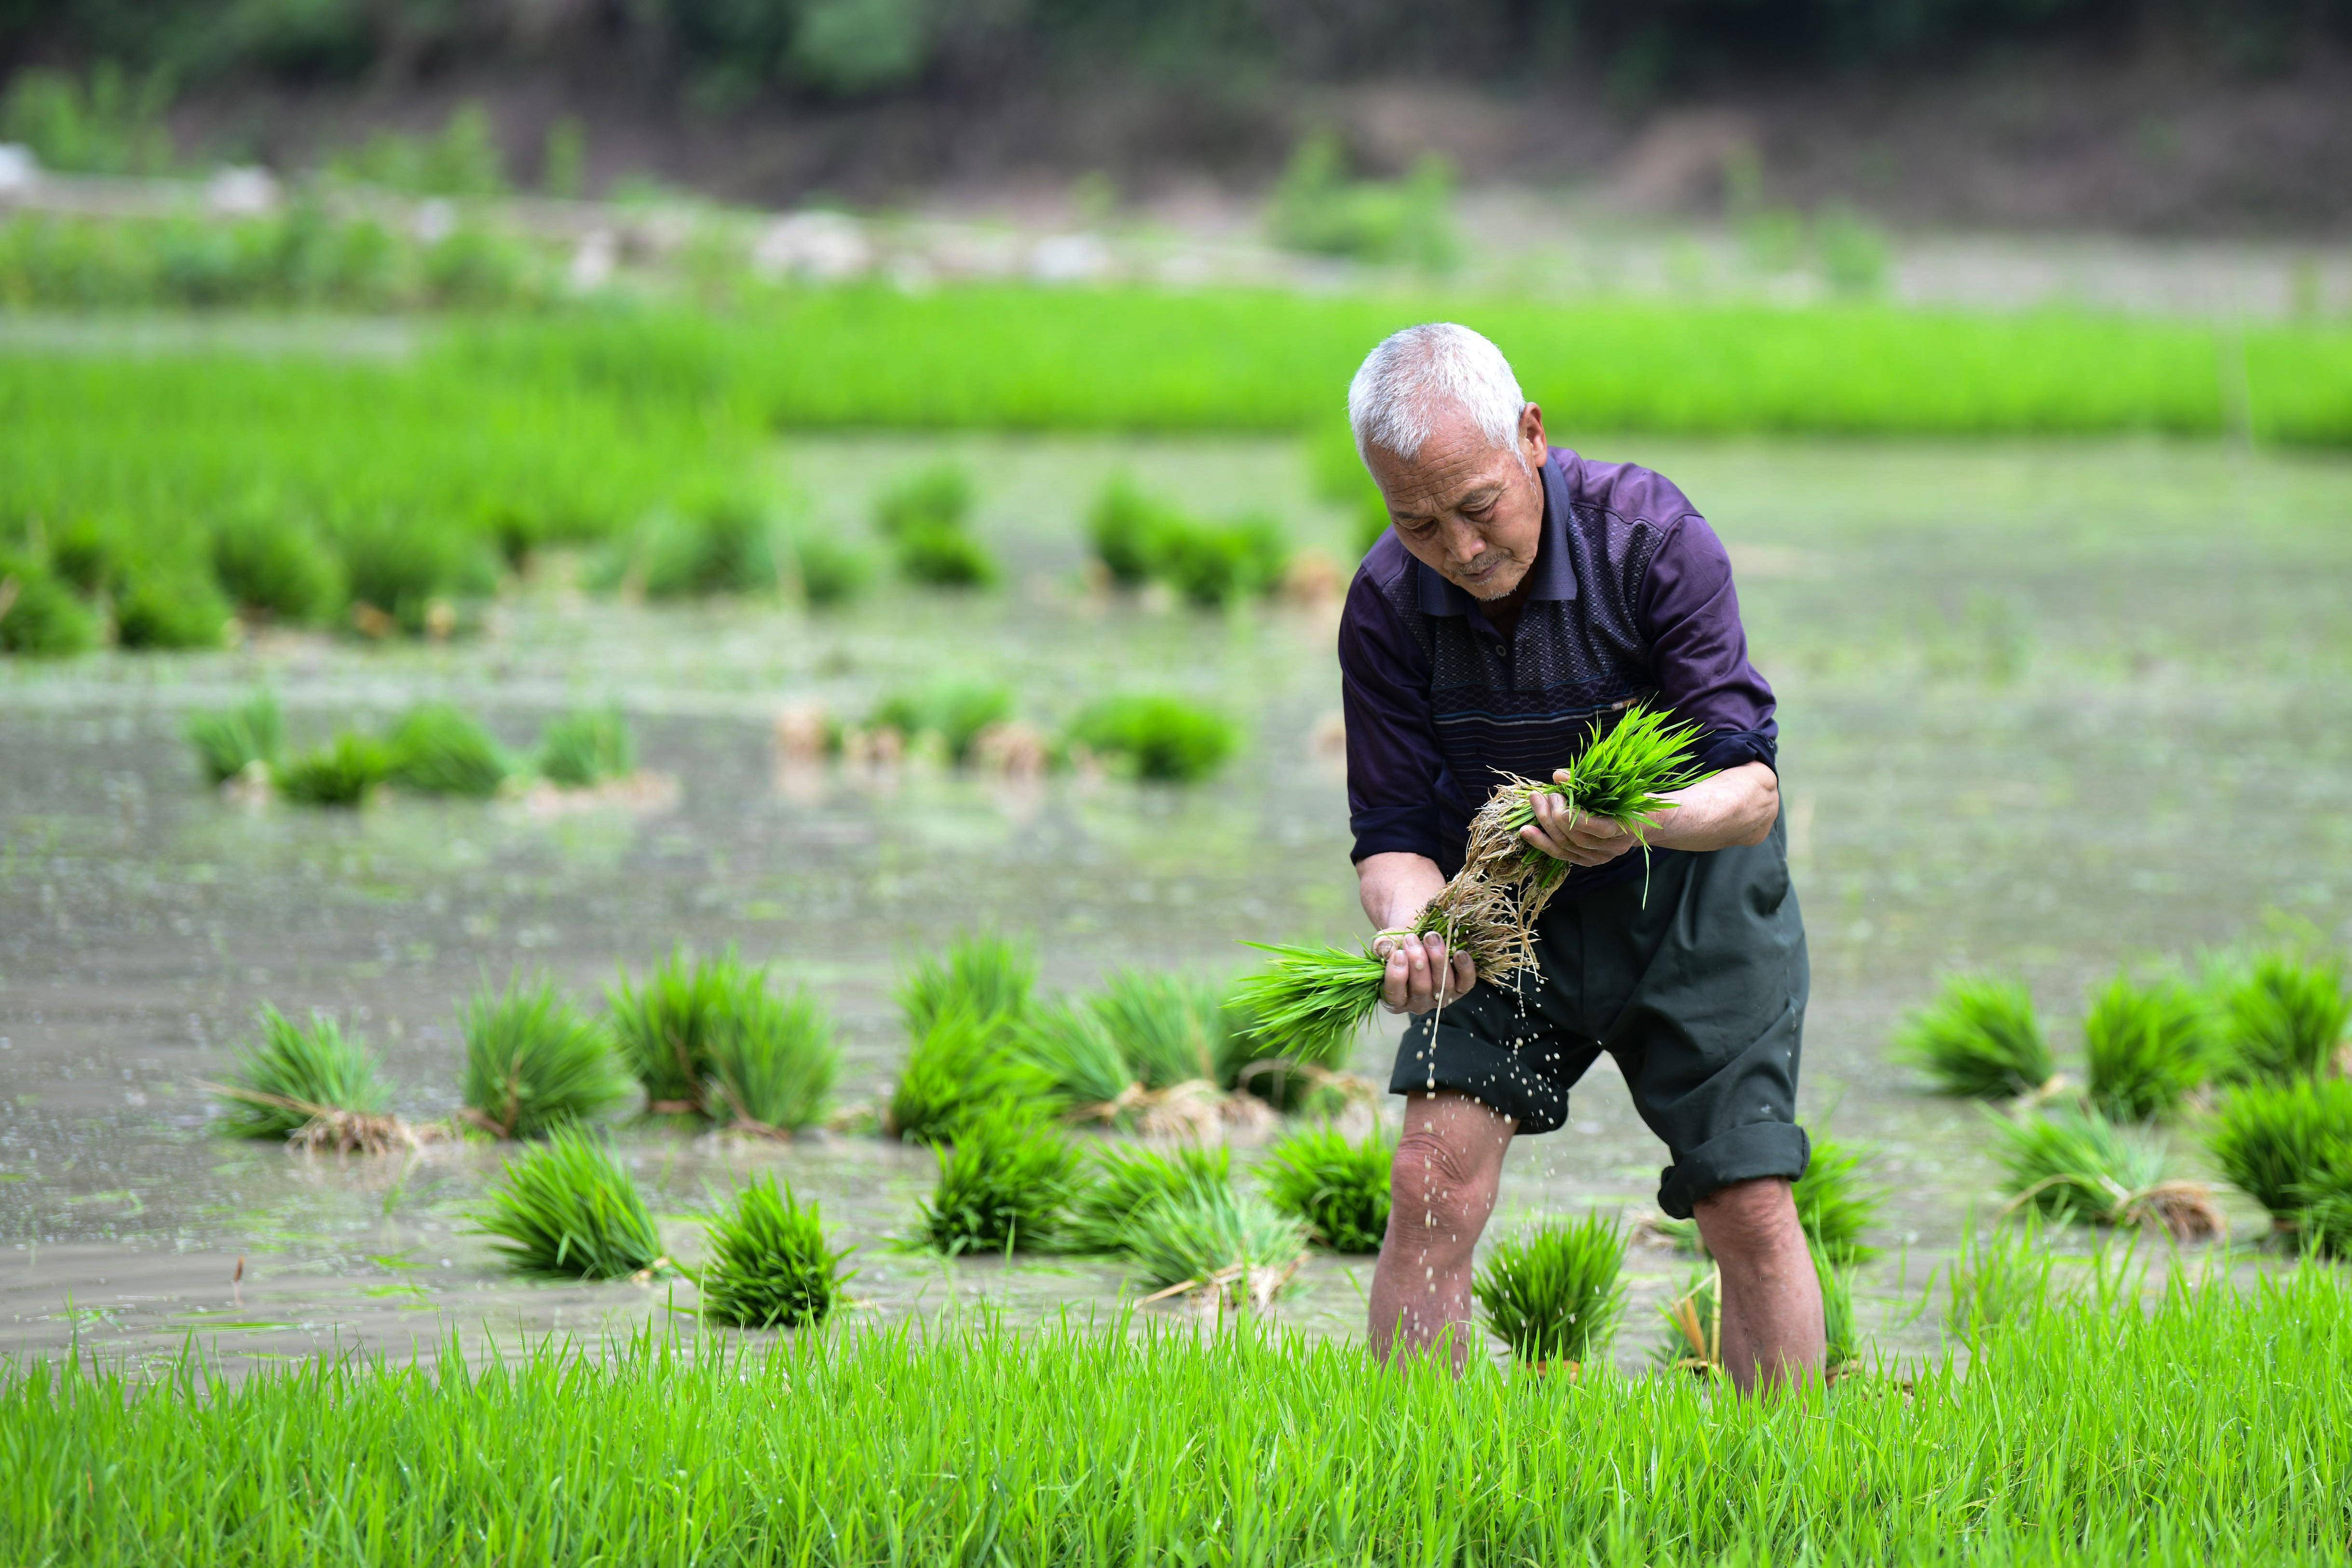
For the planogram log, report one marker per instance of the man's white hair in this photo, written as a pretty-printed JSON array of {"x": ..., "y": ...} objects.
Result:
[{"x": 1415, "y": 377}]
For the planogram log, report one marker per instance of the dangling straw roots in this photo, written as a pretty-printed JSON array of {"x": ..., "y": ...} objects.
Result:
[{"x": 330, "y": 1130}]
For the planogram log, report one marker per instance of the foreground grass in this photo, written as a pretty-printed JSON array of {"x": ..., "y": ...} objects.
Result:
[{"x": 2216, "y": 1426}]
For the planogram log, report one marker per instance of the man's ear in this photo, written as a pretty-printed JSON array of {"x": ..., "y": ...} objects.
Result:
[{"x": 1532, "y": 435}]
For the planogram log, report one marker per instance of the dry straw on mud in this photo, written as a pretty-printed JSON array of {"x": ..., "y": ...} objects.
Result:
[
  {"x": 770, "y": 1266},
  {"x": 2074, "y": 1164},
  {"x": 317, "y": 1088}
]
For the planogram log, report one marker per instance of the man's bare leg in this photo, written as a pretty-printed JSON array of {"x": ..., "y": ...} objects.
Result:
[
  {"x": 1771, "y": 1298},
  {"x": 1449, "y": 1164}
]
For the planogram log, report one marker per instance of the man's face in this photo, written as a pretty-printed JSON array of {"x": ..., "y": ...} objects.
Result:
[{"x": 1469, "y": 510}]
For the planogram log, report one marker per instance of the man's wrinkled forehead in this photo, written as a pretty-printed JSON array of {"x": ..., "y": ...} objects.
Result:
[{"x": 1454, "y": 465}]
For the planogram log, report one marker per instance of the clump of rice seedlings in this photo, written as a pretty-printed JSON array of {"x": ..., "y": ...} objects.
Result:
[
  {"x": 1073, "y": 1047},
  {"x": 666, "y": 1027},
  {"x": 1211, "y": 565},
  {"x": 940, "y": 496},
  {"x": 772, "y": 1060},
  {"x": 1003, "y": 1183},
  {"x": 1836, "y": 1203},
  {"x": 39, "y": 616},
  {"x": 568, "y": 1208},
  {"x": 1172, "y": 1029},
  {"x": 1980, "y": 1038},
  {"x": 960, "y": 1065},
  {"x": 2270, "y": 1140},
  {"x": 987, "y": 975},
  {"x": 228, "y": 741},
  {"x": 2144, "y": 1048},
  {"x": 339, "y": 773},
  {"x": 1208, "y": 1241},
  {"x": 955, "y": 713},
  {"x": 1341, "y": 1188},
  {"x": 163, "y": 605},
  {"x": 272, "y": 566},
  {"x": 1553, "y": 1294},
  {"x": 2326, "y": 1197},
  {"x": 1622, "y": 775},
  {"x": 770, "y": 1266},
  {"x": 945, "y": 558},
  {"x": 315, "y": 1088},
  {"x": 2282, "y": 1017},
  {"x": 1160, "y": 738},
  {"x": 715, "y": 543},
  {"x": 828, "y": 572},
  {"x": 2076, "y": 1165},
  {"x": 1123, "y": 1180},
  {"x": 1125, "y": 528},
  {"x": 1693, "y": 1336},
  {"x": 1996, "y": 1279},
  {"x": 533, "y": 1062},
  {"x": 580, "y": 751},
  {"x": 439, "y": 749}
]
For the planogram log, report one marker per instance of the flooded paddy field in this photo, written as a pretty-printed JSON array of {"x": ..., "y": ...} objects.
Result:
[{"x": 2050, "y": 708}]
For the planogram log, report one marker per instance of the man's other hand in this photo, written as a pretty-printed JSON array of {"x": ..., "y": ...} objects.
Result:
[
  {"x": 1565, "y": 834},
  {"x": 1418, "y": 965}
]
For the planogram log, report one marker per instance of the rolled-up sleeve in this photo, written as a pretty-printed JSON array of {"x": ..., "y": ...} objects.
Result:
[
  {"x": 1394, "y": 771},
  {"x": 1699, "y": 649}
]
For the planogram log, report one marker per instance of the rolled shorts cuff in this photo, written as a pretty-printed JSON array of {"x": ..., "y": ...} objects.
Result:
[
  {"x": 1746, "y": 1153},
  {"x": 1444, "y": 1056}
]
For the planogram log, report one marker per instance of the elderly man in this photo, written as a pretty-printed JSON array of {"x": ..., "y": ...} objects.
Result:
[{"x": 1521, "y": 595}]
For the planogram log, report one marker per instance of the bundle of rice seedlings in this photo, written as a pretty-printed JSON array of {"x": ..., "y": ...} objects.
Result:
[
  {"x": 439, "y": 749},
  {"x": 961, "y": 1065},
  {"x": 272, "y": 565},
  {"x": 773, "y": 1061},
  {"x": 340, "y": 773},
  {"x": 989, "y": 976},
  {"x": 665, "y": 1027},
  {"x": 1623, "y": 774},
  {"x": 1980, "y": 1038},
  {"x": 940, "y": 496},
  {"x": 1693, "y": 1337},
  {"x": 1836, "y": 1203},
  {"x": 955, "y": 713},
  {"x": 770, "y": 1266},
  {"x": 228, "y": 741},
  {"x": 2076, "y": 1165},
  {"x": 1071, "y": 1045},
  {"x": 2327, "y": 1198},
  {"x": 1212, "y": 1242},
  {"x": 1125, "y": 528},
  {"x": 2271, "y": 1140},
  {"x": 171, "y": 604},
  {"x": 1553, "y": 1294},
  {"x": 533, "y": 1063},
  {"x": 1123, "y": 1180},
  {"x": 828, "y": 572},
  {"x": 1172, "y": 1029},
  {"x": 1160, "y": 738},
  {"x": 940, "y": 557},
  {"x": 39, "y": 616},
  {"x": 719, "y": 543},
  {"x": 581, "y": 750},
  {"x": 315, "y": 1088},
  {"x": 1003, "y": 1183},
  {"x": 1211, "y": 565},
  {"x": 2144, "y": 1048},
  {"x": 2282, "y": 1017},
  {"x": 1341, "y": 1188},
  {"x": 569, "y": 1209}
]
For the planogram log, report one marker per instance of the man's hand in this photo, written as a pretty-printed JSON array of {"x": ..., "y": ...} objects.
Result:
[
  {"x": 1565, "y": 834},
  {"x": 1418, "y": 967}
]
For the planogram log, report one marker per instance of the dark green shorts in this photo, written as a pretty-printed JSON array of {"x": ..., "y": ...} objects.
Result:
[{"x": 1698, "y": 992}]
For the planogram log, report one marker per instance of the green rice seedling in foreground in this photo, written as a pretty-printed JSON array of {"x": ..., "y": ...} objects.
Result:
[
  {"x": 339, "y": 773},
  {"x": 2144, "y": 1048},
  {"x": 1122, "y": 1180},
  {"x": 770, "y": 1266},
  {"x": 987, "y": 975},
  {"x": 2134, "y": 1423},
  {"x": 439, "y": 749},
  {"x": 2326, "y": 1196},
  {"x": 1341, "y": 1188},
  {"x": 581, "y": 750},
  {"x": 953, "y": 713},
  {"x": 1003, "y": 1183},
  {"x": 1554, "y": 1292},
  {"x": 1070, "y": 1044},
  {"x": 773, "y": 1061},
  {"x": 1212, "y": 1239},
  {"x": 228, "y": 741},
  {"x": 2076, "y": 1164},
  {"x": 2271, "y": 1140},
  {"x": 1995, "y": 1279},
  {"x": 1841, "y": 1336},
  {"x": 568, "y": 1208},
  {"x": 667, "y": 1026},
  {"x": 533, "y": 1062},
  {"x": 294, "y": 1076},
  {"x": 1162, "y": 740},
  {"x": 1980, "y": 1038},
  {"x": 960, "y": 1066},
  {"x": 2282, "y": 1017}
]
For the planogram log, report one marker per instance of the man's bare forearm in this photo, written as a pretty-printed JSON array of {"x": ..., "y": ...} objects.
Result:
[
  {"x": 1396, "y": 887},
  {"x": 1737, "y": 805}
]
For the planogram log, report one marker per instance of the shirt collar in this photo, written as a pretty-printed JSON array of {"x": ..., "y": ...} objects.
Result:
[{"x": 1555, "y": 568}]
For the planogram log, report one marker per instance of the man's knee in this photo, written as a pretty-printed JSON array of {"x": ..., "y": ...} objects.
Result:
[
  {"x": 1749, "y": 1218},
  {"x": 1442, "y": 1185}
]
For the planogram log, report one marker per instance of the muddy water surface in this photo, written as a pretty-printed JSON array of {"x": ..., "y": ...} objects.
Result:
[{"x": 2050, "y": 708}]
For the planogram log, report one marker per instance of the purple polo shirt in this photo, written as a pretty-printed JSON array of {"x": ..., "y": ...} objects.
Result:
[{"x": 1632, "y": 601}]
